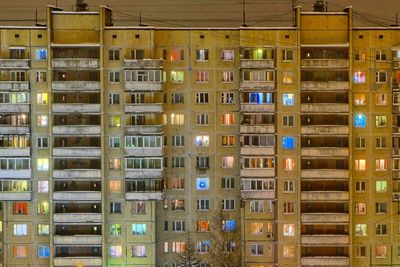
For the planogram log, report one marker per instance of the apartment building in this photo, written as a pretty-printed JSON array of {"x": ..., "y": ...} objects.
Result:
[{"x": 145, "y": 146}]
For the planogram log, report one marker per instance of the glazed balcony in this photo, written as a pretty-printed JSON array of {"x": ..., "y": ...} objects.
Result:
[
  {"x": 77, "y": 196},
  {"x": 77, "y": 174},
  {"x": 257, "y": 172},
  {"x": 252, "y": 107},
  {"x": 144, "y": 151},
  {"x": 325, "y": 218},
  {"x": 325, "y": 86},
  {"x": 325, "y": 173},
  {"x": 14, "y": 63},
  {"x": 143, "y": 196},
  {"x": 324, "y": 63},
  {"x": 325, "y": 261},
  {"x": 14, "y": 85},
  {"x": 76, "y": 108},
  {"x": 15, "y": 152},
  {"x": 257, "y": 150},
  {"x": 257, "y": 194},
  {"x": 325, "y": 129},
  {"x": 78, "y": 261},
  {"x": 324, "y": 152},
  {"x": 77, "y": 217},
  {"x": 77, "y": 240},
  {"x": 75, "y": 86},
  {"x": 7, "y": 129},
  {"x": 324, "y": 108},
  {"x": 257, "y": 64},
  {"x": 76, "y": 151},
  {"x": 15, "y": 196},
  {"x": 143, "y": 108},
  {"x": 143, "y": 63},
  {"x": 76, "y": 63},
  {"x": 324, "y": 196}
]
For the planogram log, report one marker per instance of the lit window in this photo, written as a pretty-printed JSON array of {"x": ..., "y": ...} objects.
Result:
[
  {"x": 380, "y": 121},
  {"x": 258, "y": 53},
  {"x": 44, "y": 251},
  {"x": 176, "y": 54},
  {"x": 114, "y": 121},
  {"x": 381, "y": 186},
  {"x": 202, "y": 140},
  {"x": 227, "y": 77},
  {"x": 287, "y": 77},
  {"x": 177, "y": 119},
  {"x": 139, "y": 228},
  {"x": 114, "y": 164},
  {"x": 360, "y": 121},
  {"x": 256, "y": 228},
  {"x": 115, "y": 186},
  {"x": 20, "y": 207},
  {"x": 20, "y": 251},
  {"x": 359, "y": 77},
  {"x": 42, "y": 99},
  {"x": 359, "y": 99},
  {"x": 381, "y": 165},
  {"x": 115, "y": 229},
  {"x": 178, "y": 183},
  {"x": 258, "y": 98},
  {"x": 227, "y": 54},
  {"x": 288, "y": 229},
  {"x": 203, "y": 226},
  {"x": 40, "y": 54},
  {"x": 42, "y": 120},
  {"x": 288, "y": 164},
  {"x": 361, "y": 229},
  {"x": 43, "y": 207},
  {"x": 202, "y": 76},
  {"x": 361, "y": 208},
  {"x": 288, "y": 251},
  {"x": 202, "y": 54},
  {"x": 42, "y": 165},
  {"x": 20, "y": 229},
  {"x": 258, "y": 76},
  {"x": 228, "y": 162},
  {"x": 288, "y": 142},
  {"x": 381, "y": 99},
  {"x": 116, "y": 251},
  {"x": 139, "y": 251},
  {"x": 202, "y": 183},
  {"x": 43, "y": 186},
  {"x": 228, "y": 140},
  {"x": 228, "y": 225},
  {"x": 177, "y": 76},
  {"x": 381, "y": 251},
  {"x": 178, "y": 247},
  {"x": 178, "y": 204},
  {"x": 256, "y": 206},
  {"x": 360, "y": 164},
  {"x": 228, "y": 119},
  {"x": 138, "y": 207},
  {"x": 288, "y": 99},
  {"x": 43, "y": 229}
]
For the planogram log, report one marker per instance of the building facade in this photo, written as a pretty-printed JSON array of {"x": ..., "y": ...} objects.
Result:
[{"x": 145, "y": 146}]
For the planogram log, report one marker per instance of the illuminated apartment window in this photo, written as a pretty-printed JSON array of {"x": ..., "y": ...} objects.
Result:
[
  {"x": 20, "y": 251},
  {"x": 228, "y": 225},
  {"x": 380, "y": 55},
  {"x": 228, "y": 119},
  {"x": 227, "y": 54},
  {"x": 178, "y": 183},
  {"x": 202, "y": 98},
  {"x": 42, "y": 165},
  {"x": 288, "y": 99},
  {"x": 381, "y": 77},
  {"x": 360, "y": 186},
  {"x": 20, "y": 229},
  {"x": 42, "y": 120},
  {"x": 359, "y": 77},
  {"x": 20, "y": 208},
  {"x": 138, "y": 207},
  {"x": 381, "y": 165},
  {"x": 114, "y": 164},
  {"x": 256, "y": 228},
  {"x": 360, "y": 142},
  {"x": 287, "y": 77},
  {"x": 228, "y": 140},
  {"x": 177, "y": 54},
  {"x": 259, "y": 163},
  {"x": 380, "y": 229},
  {"x": 381, "y": 207},
  {"x": 256, "y": 206},
  {"x": 40, "y": 54},
  {"x": 227, "y": 76},
  {"x": 202, "y": 183},
  {"x": 178, "y": 246},
  {"x": 177, "y": 76},
  {"x": 43, "y": 251},
  {"x": 139, "y": 228},
  {"x": 381, "y": 186},
  {"x": 115, "y": 229},
  {"x": 288, "y": 142},
  {"x": 203, "y": 226},
  {"x": 114, "y": 121},
  {"x": 360, "y": 229},
  {"x": 361, "y": 208},
  {"x": 359, "y": 99},
  {"x": 43, "y": 229},
  {"x": 178, "y": 204},
  {"x": 41, "y": 76},
  {"x": 288, "y": 251},
  {"x": 288, "y": 207},
  {"x": 288, "y": 229},
  {"x": 228, "y": 162},
  {"x": 288, "y": 164},
  {"x": 359, "y": 55},
  {"x": 288, "y": 186},
  {"x": 43, "y": 186},
  {"x": 177, "y": 119},
  {"x": 258, "y": 76},
  {"x": 43, "y": 207},
  {"x": 381, "y": 121},
  {"x": 115, "y": 186},
  {"x": 139, "y": 251},
  {"x": 381, "y": 251},
  {"x": 360, "y": 251},
  {"x": 360, "y": 164},
  {"x": 360, "y": 121},
  {"x": 380, "y": 142},
  {"x": 381, "y": 99},
  {"x": 201, "y": 54},
  {"x": 202, "y": 76},
  {"x": 115, "y": 251},
  {"x": 258, "y": 53}
]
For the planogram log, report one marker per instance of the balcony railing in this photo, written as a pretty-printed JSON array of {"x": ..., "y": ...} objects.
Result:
[
  {"x": 325, "y": 261},
  {"x": 8, "y": 107},
  {"x": 325, "y": 63},
  {"x": 15, "y": 196},
  {"x": 144, "y": 173},
  {"x": 15, "y": 152},
  {"x": 76, "y": 63},
  {"x": 78, "y": 261},
  {"x": 76, "y": 152},
  {"x": 14, "y": 63},
  {"x": 77, "y": 174},
  {"x": 324, "y": 152},
  {"x": 16, "y": 174},
  {"x": 76, "y": 108},
  {"x": 325, "y": 218},
  {"x": 321, "y": 86},
  {"x": 14, "y": 85},
  {"x": 325, "y": 129},
  {"x": 250, "y": 107},
  {"x": 14, "y": 129},
  {"x": 144, "y": 151},
  {"x": 75, "y": 86},
  {"x": 77, "y": 196},
  {"x": 77, "y": 240},
  {"x": 324, "y": 196},
  {"x": 76, "y": 129},
  {"x": 266, "y": 85},
  {"x": 143, "y": 129},
  {"x": 257, "y": 172},
  {"x": 143, "y": 108},
  {"x": 324, "y": 108},
  {"x": 254, "y": 64},
  {"x": 143, "y": 63},
  {"x": 325, "y": 239},
  {"x": 77, "y": 218},
  {"x": 325, "y": 173},
  {"x": 143, "y": 86},
  {"x": 252, "y": 194},
  {"x": 254, "y": 150},
  {"x": 257, "y": 129}
]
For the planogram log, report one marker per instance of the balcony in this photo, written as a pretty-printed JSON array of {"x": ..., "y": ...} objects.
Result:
[
  {"x": 257, "y": 129},
  {"x": 14, "y": 130},
  {"x": 15, "y": 196},
  {"x": 143, "y": 63},
  {"x": 76, "y": 63},
  {"x": 257, "y": 173},
  {"x": 396, "y": 196},
  {"x": 144, "y": 151},
  {"x": 252, "y": 194},
  {"x": 14, "y": 107},
  {"x": 327, "y": 86},
  {"x": 77, "y": 240},
  {"x": 325, "y": 218},
  {"x": 325, "y": 239},
  {"x": 76, "y": 108},
  {"x": 15, "y": 152},
  {"x": 247, "y": 107},
  {"x": 77, "y": 196},
  {"x": 324, "y": 152},
  {"x": 325, "y": 108},
  {"x": 16, "y": 174},
  {"x": 76, "y": 152},
  {"x": 14, "y": 63},
  {"x": 324, "y": 196},
  {"x": 14, "y": 85},
  {"x": 257, "y": 64},
  {"x": 77, "y": 218},
  {"x": 77, "y": 174},
  {"x": 143, "y": 108},
  {"x": 253, "y": 151},
  {"x": 325, "y": 129},
  {"x": 75, "y": 86},
  {"x": 76, "y": 129},
  {"x": 143, "y": 86},
  {"x": 78, "y": 261},
  {"x": 143, "y": 129},
  {"x": 325, "y": 261},
  {"x": 325, "y": 173},
  {"x": 143, "y": 173},
  {"x": 324, "y": 63},
  {"x": 266, "y": 85},
  {"x": 143, "y": 196}
]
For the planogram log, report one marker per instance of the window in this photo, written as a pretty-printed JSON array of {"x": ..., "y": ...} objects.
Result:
[
  {"x": 42, "y": 165},
  {"x": 288, "y": 207},
  {"x": 360, "y": 121},
  {"x": 18, "y": 76},
  {"x": 380, "y": 121},
  {"x": 114, "y": 121},
  {"x": 177, "y": 119},
  {"x": 201, "y": 98},
  {"x": 227, "y": 76},
  {"x": 138, "y": 207},
  {"x": 201, "y": 54},
  {"x": 202, "y": 119},
  {"x": 178, "y": 183},
  {"x": 202, "y": 76},
  {"x": 288, "y": 99},
  {"x": 40, "y": 54},
  {"x": 360, "y": 229},
  {"x": 202, "y": 162},
  {"x": 43, "y": 251},
  {"x": 20, "y": 208},
  {"x": 380, "y": 142},
  {"x": 115, "y": 207},
  {"x": 115, "y": 251},
  {"x": 42, "y": 99},
  {"x": 287, "y": 77},
  {"x": 288, "y": 229},
  {"x": 227, "y": 98},
  {"x": 113, "y": 99},
  {"x": 20, "y": 251},
  {"x": 228, "y": 204},
  {"x": 178, "y": 247},
  {"x": 359, "y": 99},
  {"x": 178, "y": 226},
  {"x": 288, "y": 164},
  {"x": 42, "y": 120},
  {"x": 177, "y": 76},
  {"x": 360, "y": 142},
  {"x": 178, "y": 204},
  {"x": 359, "y": 77},
  {"x": 203, "y": 204},
  {"x": 177, "y": 97},
  {"x": 176, "y": 54},
  {"x": 113, "y": 76},
  {"x": 380, "y": 55},
  {"x": 114, "y": 142},
  {"x": 359, "y": 56},
  {"x": 258, "y": 53},
  {"x": 287, "y": 55},
  {"x": 380, "y": 77},
  {"x": 360, "y": 164},
  {"x": 256, "y": 249},
  {"x": 20, "y": 229},
  {"x": 256, "y": 206},
  {"x": 228, "y": 162},
  {"x": 139, "y": 228},
  {"x": 227, "y": 54},
  {"x": 361, "y": 208},
  {"x": 228, "y": 225},
  {"x": 41, "y": 76},
  {"x": 228, "y": 119},
  {"x": 202, "y": 140},
  {"x": 381, "y": 165},
  {"x": 228, "y": 140},
  {"x": 144, "y": 76},
  {"x": 115, "y": 186},
  {"x": 288, "y": 186},
  {"x": 381, "y": 99},
  {"x": 43, "y": 186},
  {"x": 288, "y": 251},
  {"x": 43, "y": 207},
  {"x": 43, "y": 229},
  {"x": 288, "y": 142},
  {"x": 178, "y": 162},
  {"x": 360, "y": 186},
  {"x": 288, "y": 120},
  {"x": 137, "y": 54},
  {"x": 202, "y": 183},
  {"x": 380, "y": 207},
  {"x": 114, "y": 164},
  {"x": 139, "y": 251},
  {"x": 259, "y": 163},
  {"x": 380, "y": 229},
  {"x": 203, "y": 226},
  {"x": 42, "y": 142},
  {"x": 178, "y": 140},
  {"x": 360, "y": 251},
  {"x": 228, "y": 183},
  {"x": 381, "y": 186},
  {"x": 258, "y": 76},
  {"x": 115, "y": 229},
  {"x": 113, "y": 54}
]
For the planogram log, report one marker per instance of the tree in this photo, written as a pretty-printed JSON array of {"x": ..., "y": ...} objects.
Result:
[{"x": 189, "y": 257}]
